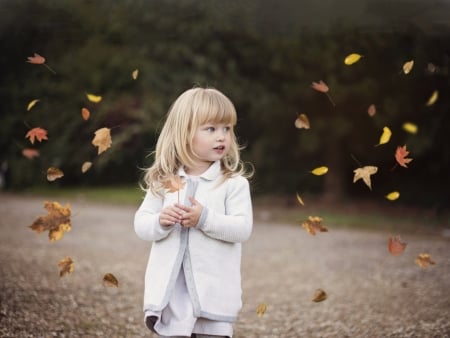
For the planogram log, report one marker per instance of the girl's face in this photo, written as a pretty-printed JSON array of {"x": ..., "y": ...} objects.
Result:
[{"x": 211, "y": 143}]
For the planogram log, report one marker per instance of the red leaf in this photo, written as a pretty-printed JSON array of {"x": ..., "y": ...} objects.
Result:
[
  {"x": 400, "y": 156},
  {"x": 37, "y": 133},
  {"x": 396, "y": 246},
  {"x": 36, "y": 59}
]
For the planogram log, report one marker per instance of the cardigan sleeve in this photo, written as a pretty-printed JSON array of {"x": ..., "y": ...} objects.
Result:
[
  {"x": 236, "y": 224},
  {"x": 146, "y": 219}
]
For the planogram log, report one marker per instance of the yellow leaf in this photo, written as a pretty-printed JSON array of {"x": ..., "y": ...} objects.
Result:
[
  {"x": 407, "y": 66},
  {"x": 410, "y": 127},
  {"x": 31, "y": 104},
  {"x": 302, "y": 121},
  {"x": 86, "y": 166},
  {"x": 261, "y": 309},
  {"x": 102, "y": 139},
  {"x": 385, "y": 136},
  {"x": 110, "y": 280},
  {"x": 433, "y": 98},
  {"x": 135, "y": 74},
  {"x": 319, "y": 296},
  {"x": 66, "y": 266},
  {"x": 319, "y": 171},
  {"x": 364, "y": 173},
  {"x": 299, "y": 199},
  {"x": 424, "y": 260},
  {"x": 392, "y": 196},
  {"x": 352, "y": 58},
  {"x": 94, "y": 98},
  {"x": 57, "y": 221},
  {"x": 54, "y": 173}
]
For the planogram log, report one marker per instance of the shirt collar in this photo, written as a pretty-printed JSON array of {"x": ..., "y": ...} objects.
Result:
[{"x": 210, "y": 174}]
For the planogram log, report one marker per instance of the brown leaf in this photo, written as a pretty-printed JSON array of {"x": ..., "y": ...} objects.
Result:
[
  {"x": 36, "y": 59},
  {"x": 110, "y": 280},
  {"x": 302, "y": 121},
  {"x": 400, "y": 156},
  {"x": 30, "y": 153},
  {"x": 54, "y": 173},
  {"x": 37, "y": 133},
  {"x": 85, "y": 113},
  {"x": 86, "y": 166},
  {"x": 261, "y": 309},
  {"x": 66, "y": 266},
  {"x": 424, "y": 260},
  {"x": 319, "y": 296},
  {"x": 174, "y": 183},
  {"x": 364, "y": 173},
  {"x": 57, "y": 221},
  {"x": 395, "y": 246},
  {"x": 313, "y": 224},
  {"x": 102, "y": 139}
]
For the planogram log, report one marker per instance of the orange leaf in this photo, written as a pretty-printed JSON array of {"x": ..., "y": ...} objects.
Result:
[
  {"x": 313, "y": 224},
  {"x": 30, "y": 153},
  {"x": 372, "y": 110},
  {"x": 110, "y": 280},
  {"x": 85, "y": 114},
  {"x": 319, "y": 296},
  {"x": 36, "y": 59},
  {"x": 102, "y": 139},
  {"x": 54, "y": 173},
  {"x": 37, "y": 133},
  {"x": 57, "y": 221},
  {"x": 396, "y": 246},
  {"x": 66, "y": 266},
  {"x": 400, "y": 156},
  {"x": 174, "y": 183},
  {"x": 320, "y": 86},
  {"x": 424, "y": 260}
]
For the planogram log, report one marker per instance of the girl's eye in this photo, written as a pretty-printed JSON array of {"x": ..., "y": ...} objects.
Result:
[
  {"x": 210, "y": 129},
  {"x": 226, "y": 129}
]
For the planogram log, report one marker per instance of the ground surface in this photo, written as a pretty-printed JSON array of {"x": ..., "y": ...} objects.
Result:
[{"x": 370, "y": 292}]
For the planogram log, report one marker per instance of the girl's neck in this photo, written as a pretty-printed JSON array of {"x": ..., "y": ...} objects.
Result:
[{"x": 197, "y": 170}]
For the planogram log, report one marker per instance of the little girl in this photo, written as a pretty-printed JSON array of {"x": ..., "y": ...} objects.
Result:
[{"x": 197, "y": 211}]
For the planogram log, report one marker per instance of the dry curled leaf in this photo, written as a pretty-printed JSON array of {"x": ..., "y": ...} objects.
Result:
[
  {"x": 57, "y": 221},
  {"x": 424, "y": 260},
  {"x": 400, "y": 156},
  {"x": 261, "y": 309},
  {"x": 313, "y": 224},
  {"x": 395, "y": 246},
  {"x": 32, "y": 104},
  {"x": 66, "y": 266},
  {"x": 135, "y": 74},
  {"x": 407, "y": 66},
  {"x": 302, "y": 121},
  {"x": 54, "y": 173},
  {"x": 433, "y": 98},
  {"x": 102, "y": 139},
  {"x": 364, "y": 173},
  {"x": 86, "y": 166},
  {"x": 300, "y": 200},
  {"x": 110, "y": 280},
  {"x": 319, "y": 296},
  {"x": 37, "y": 134},
  {"x": 30, "y": 153}
]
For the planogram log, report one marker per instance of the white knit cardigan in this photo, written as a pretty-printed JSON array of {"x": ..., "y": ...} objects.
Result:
[{"x": 210, "y": 252}]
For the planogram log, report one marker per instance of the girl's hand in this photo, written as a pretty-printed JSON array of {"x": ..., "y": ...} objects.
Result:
[
  {"x": 170, "y": 215},
  {"x": 191, "y": 214}
]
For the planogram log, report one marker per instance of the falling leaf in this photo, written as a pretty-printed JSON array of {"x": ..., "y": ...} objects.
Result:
[
  {"x": 352, "y": 58},
  {"x": 407, "y": 66},
  {"x": 372, "y": 110},
  {"x": 302, "y": 121},
  {"x": 400, "y": 156},
  {"x": 300, "y": 200},
  {"x": 319, "y": 171},
  {"x": 86, "y": 166},
  {"x": 94, "y": 98},
  {"x": 85, "y": 114},
  {"x": 385, "y": 136},
  {"x": 57, "y": 221},
  {"x": 323, "y": 88},
  {"x": 424, "y": 260},
  {"x": 36, "y": 59},
  {"x": 392, "y": 196},
  {"x": 135, "y": 74},
  {"x": 54, "y": 173},
  {"x": 102, "y": 139},
  {"x": 433, "y": 98},
  {"x": 174, "y": 183},
  {"x": 30, "y": 153},
  {"x": 32, "y": 104},
  {"x": 110, "y": 280},
  {"x": 66, "y": 266},
  {"x": 396, "y": 246},
  {"x": 319, "y": 296},
  {"x": 313, "y": 224},
  {"x": 364, "y": 173},
  {"x": 37, "y": 133},
  {"x": 410, "y": 127},
  {"x": 261, "y": 309}
]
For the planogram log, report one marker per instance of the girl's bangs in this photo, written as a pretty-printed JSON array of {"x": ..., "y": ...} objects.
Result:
[{"x": 217, "y": 112}]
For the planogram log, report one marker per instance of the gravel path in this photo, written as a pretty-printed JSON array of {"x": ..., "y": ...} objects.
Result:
[{"x": 370, "y": 293}]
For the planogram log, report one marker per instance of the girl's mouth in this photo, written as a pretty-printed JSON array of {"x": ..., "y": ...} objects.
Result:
[{"x": 219, "y": 148}]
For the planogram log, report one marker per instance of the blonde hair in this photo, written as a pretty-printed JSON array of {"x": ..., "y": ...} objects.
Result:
[{"x": 194, "y": 107}]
